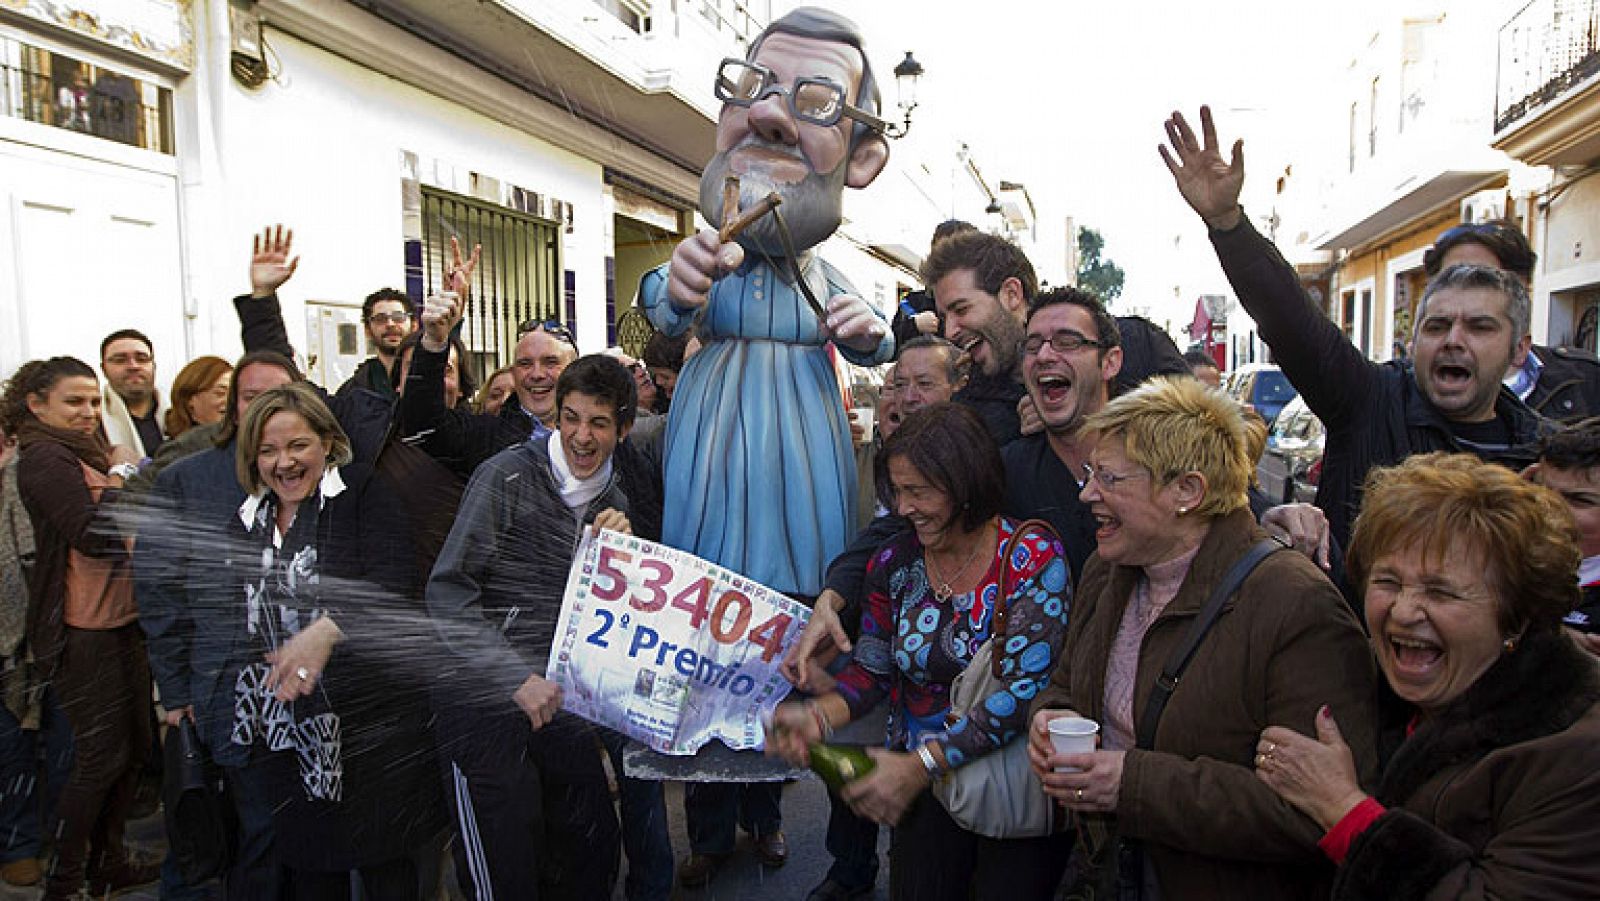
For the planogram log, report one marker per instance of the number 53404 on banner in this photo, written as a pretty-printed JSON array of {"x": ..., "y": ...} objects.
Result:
[{"x": 657, "y": 587}]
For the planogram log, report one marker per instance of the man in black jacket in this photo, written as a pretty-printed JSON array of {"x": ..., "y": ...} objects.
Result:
[
  {"x": 1468, "y": 326},
  {"x": 532, "y": 802}
]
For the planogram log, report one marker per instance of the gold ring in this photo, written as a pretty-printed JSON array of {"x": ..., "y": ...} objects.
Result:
[
  {"x": 1261, "y": 760},
  {"x": 1271, "y": 746}
]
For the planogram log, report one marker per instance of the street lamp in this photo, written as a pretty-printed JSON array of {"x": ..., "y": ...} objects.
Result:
[{"x": 906, "y": 76}]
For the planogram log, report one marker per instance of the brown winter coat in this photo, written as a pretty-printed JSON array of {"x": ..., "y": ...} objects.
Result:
[
  {"x": 1283, "y": 646},
  {"x": 1498, "y": 795}
]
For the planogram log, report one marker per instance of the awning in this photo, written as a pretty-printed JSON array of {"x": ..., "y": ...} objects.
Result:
[{"x": 1410, "y": 200}]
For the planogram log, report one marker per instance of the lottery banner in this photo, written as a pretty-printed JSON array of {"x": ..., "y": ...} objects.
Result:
[{"x": 667, "y": 648}]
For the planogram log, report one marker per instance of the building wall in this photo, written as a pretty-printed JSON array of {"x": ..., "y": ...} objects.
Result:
[
  {"x": 1378, "y": 266},
  {"x": 1568, "y": 281},
  {"x": 322, "y": 152}
]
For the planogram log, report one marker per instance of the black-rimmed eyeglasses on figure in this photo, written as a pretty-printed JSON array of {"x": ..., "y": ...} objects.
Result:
[
  {"x": 814, "y": 100},
  {"x": 398, "y": 317},
  {"x": 1062, "y": 342}
]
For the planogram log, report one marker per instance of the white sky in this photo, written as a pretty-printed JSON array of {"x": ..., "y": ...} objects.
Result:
[{"x": 1068, "y": 98}]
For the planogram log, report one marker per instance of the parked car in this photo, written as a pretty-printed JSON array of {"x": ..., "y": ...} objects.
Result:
[
  {"x": 1263, "y": 388},
  {"x": 1292, "y": 464}
]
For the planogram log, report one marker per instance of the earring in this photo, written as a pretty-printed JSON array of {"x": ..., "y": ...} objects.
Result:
[
  {"x": 1510, "y": 644},
  {"x": 1182, "y": 510}
]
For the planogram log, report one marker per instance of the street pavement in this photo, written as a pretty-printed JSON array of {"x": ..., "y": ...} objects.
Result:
[{"x": 805, "y": 820}]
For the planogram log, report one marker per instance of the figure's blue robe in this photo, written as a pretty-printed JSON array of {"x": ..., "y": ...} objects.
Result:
[{"x": 760, "y": 475}]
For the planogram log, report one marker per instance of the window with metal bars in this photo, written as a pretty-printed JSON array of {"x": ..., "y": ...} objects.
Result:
[{"x": 518, "y": 277}]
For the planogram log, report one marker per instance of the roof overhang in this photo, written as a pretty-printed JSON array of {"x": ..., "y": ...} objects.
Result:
[
  {"x": 1410, "y": 200},
  {"x": 599, "y": 106}
]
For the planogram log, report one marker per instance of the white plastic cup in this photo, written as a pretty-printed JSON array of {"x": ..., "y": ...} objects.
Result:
[
  {"x": 864, "y": 417},
  {"x": 1072, "y": 735}
]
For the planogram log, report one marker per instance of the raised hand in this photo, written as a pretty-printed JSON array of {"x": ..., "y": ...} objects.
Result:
[
  {"x": 697, "y": 261},
  {"x": 270, "y": 263},
  {"x": 458, "y": 277},
  {"x": 440, "y": 313},
  {"x": 1209, "y": 183}
]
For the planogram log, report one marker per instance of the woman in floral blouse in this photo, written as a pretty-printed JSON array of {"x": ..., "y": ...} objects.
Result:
[{"x": 931, "y": 602}]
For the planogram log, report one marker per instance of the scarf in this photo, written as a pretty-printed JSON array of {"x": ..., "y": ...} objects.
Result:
[
  {"x": 92, "y": 450},
  {"x": 576, "y": 493}
]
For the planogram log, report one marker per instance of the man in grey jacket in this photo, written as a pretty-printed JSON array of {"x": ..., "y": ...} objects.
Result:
[{"x": 533, "y": 809}]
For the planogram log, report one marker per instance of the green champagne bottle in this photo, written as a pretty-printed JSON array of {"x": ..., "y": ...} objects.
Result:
[{"x": 840, "y": 764}]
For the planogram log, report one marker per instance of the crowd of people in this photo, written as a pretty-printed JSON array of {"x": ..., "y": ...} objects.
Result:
[{"x": 351, "y": 597}]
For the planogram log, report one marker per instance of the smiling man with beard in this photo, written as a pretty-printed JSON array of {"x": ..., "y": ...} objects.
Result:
[
  {"x": 1469, "y": 324},
  {"x": 982, "y": 285}
]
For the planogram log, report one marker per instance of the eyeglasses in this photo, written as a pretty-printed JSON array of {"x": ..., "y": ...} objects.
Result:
[
  {"x": 1108, "y": 480},
  {"x": 816, "y": 100},
  {"x": 1062, "y": 342},
  {"x": 398, "y": 317},
  {"x": 551, "y": 327}
]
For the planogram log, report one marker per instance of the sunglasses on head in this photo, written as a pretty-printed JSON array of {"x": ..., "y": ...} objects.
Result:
[{"x": 550, "y": 327}]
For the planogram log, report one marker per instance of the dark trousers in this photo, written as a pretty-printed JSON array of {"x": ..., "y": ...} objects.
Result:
[
  {"x": 853, "y": 843},
  {"x": 713, "y": 810},
  {"x": 256, "y": 874},
  {"x": 103, "y": 683},
  {"x": 646, "y": 841},
  {"x": 532, "y": 810},
  {"x": 933, "y": 859},
  {"x": 25, "y": 804},
  {"x": 399, "y": 879}
]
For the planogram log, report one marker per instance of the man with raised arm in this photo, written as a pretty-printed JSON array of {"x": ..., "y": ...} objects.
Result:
[{"x": 1468, "y": 325}]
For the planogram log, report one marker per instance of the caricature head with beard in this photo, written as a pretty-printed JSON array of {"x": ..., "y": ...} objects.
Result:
[{"x": 807, "y": 165}]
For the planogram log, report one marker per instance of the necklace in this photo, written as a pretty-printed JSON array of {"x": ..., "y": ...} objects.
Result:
[{"x": 942, "y": 588}]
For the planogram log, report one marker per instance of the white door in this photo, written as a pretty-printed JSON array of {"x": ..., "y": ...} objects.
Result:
[
  {"x": 86, "y": 248},
  {"x": 336, "y": 348}
]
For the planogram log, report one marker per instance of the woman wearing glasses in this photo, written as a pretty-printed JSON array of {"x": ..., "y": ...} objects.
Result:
[{"x": 1166, "y": 482}]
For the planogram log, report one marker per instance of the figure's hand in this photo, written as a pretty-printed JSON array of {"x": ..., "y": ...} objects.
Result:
[
  {"x": 540, "y": 700},
  {"x": 1317, "y": 776},
  {"x": 1094, "y": 788},
  {"x": 927, "y": 322},
  {"x": 823, "y": 634},
  {"x": 299, "y": 662},
  {"x": 853, "y": 323},
  {"x": 270, "y": 263},
  {"x": 883, "y": 795},
  {"x": 1207, "y": 182},
  {"x": 440, "y": 313},
  {"x": 121, "y": 453},
  {"x": 1589, "y": 641},
  {"x": 458, "y": 276},
  {"x": 791, "y": 732},
  {"x": 174, "y": 717},
  {"x": 614, "y": 520},
  {"x": 1303, "y": 527},
  {"x": 697, "y": 262},
  {"x": 1028, "y": 421},
  {"x": 1040, "y": 749}
]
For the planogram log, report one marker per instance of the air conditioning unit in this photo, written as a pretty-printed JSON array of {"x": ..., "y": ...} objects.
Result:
[{"x": 1484, "y": 206}]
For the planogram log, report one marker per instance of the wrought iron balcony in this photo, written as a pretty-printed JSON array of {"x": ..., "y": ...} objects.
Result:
[{"x": 1547, "y": 48}]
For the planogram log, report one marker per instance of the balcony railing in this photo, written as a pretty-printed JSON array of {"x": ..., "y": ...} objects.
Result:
[
  {"x": 55, "y": 89},
  {"x": 1546, "y": 48}
]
